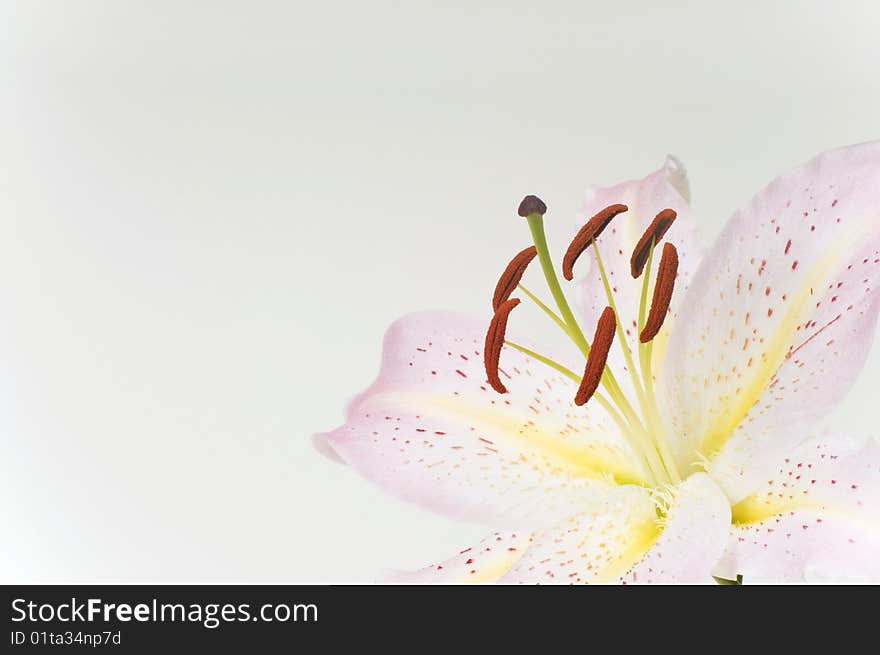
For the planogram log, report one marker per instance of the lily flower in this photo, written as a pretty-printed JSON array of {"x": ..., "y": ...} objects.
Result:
[{"x": 678, "y": 449}]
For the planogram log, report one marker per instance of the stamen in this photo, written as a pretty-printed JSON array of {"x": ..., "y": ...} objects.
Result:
[
  {"x": 663, "y": 286},
  {"x": 531, "y": 205},
  {"x": 585, "y": 235},
  {"x": 595, "y": 367},
  {"x": 654, "y": 233},
  {"x": 512, "y": 275},
  {"x": 544, "y": 308},
  {"x": 494, "y": 342}
]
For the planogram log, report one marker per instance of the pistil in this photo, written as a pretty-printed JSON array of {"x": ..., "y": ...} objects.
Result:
[{"x": 536, "y": 226}]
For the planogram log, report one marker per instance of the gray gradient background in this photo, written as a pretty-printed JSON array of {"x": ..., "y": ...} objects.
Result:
[{"x": 211, "y": 211}]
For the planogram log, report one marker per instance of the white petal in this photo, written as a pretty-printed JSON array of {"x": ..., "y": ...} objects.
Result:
[{"x": 693, "y": 538}]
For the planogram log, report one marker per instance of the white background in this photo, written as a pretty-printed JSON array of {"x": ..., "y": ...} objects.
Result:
[{"x": 210, "y": 212}]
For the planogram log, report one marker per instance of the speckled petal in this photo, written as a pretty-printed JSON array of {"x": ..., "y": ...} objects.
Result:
[
  {"x": 432, "y": 431},
  {"x": 597, "y": 546},
  {"x": 484, "y": 563},
  {"x": 817, "y": 519},
  {"x": 622, "y": 541},
  {"x": 778, "y": 318}
]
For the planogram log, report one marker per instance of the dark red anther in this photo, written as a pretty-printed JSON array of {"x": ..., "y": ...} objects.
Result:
[
  {"x": 663, "y": 287},
  {"x": 585, "y": 236},
  {"x": 494, "y": 342},
  {"x": 654, "y": 233},
  {"x": 512, "y": 275},
  {"x": 602, "y": 340}
]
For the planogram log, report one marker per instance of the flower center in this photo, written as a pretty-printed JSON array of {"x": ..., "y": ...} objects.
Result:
[{"x": 640, "y": 421}]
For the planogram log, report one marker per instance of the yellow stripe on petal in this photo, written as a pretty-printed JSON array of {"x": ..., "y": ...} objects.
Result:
[
  {"x": 754, "y": 510},
  {"x": 576, "y": 449},
  {"x": 637, "y": 542},
  {"x": 494, "y": 570},
  {"x": 839, "y": 480},
  {"x": 732, "y": 411}
]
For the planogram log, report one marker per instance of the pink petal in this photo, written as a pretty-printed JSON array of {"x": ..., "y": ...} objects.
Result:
[
  {"x": 817, "y": 518},
  {"x": 320, "y": 443},
  {"x": 779, "y": 316},
  {"x": 621, "y": 541},
  {"x": 666, "y": 187},
  {"x": 483, "y": 563},
  {"x": 432, "y": 431}
]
